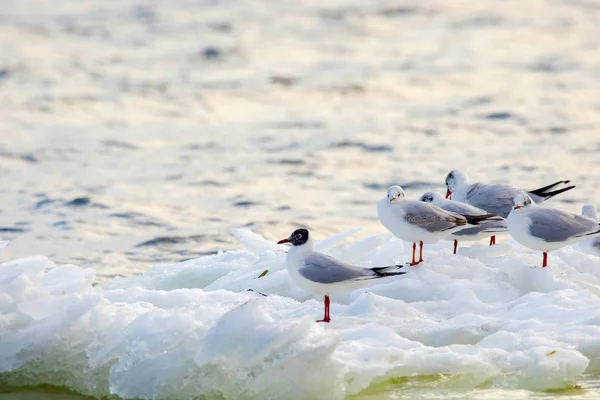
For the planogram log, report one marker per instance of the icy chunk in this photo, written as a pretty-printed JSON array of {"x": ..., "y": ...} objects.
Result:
[{"x": 189, "y": 330}]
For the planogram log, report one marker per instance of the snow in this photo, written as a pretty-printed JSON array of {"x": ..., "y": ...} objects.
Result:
[{"x": 489, "y": 315}]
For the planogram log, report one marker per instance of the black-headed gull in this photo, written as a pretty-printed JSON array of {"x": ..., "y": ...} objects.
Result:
[
  {"x": 415, "y": 221},
  {"x": 546, "y": 229},
  {"x": 321, "y": 274},
  {"x": 486, "y": 229}
]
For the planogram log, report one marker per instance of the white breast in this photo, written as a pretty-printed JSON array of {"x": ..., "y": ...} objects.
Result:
[
  {"x": 518, "y": 226},
  {"x": 392, "y": 216}
]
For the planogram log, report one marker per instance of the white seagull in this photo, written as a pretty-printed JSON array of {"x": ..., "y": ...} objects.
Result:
[
  {"x": 495, "y": 198},
  {"x": 415, "y": 221},
  {"x": 590, "y": 211},
  {"x": 547, "y": 229},
  {"x": 321, "y": 274},
  {"x": 486, "y": 229}
]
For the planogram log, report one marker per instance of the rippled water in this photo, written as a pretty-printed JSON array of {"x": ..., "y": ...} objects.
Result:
[{"x": 140, "y": 132}]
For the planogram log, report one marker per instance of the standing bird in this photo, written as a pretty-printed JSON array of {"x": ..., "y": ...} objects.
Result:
[
  {"x": 321, "y": 274},
  {"x": 415, "y": 221},
  {"x": 495, "y": 198},
  {"x": 547, "y": 229},
  {"x": 486, "y": 229}
]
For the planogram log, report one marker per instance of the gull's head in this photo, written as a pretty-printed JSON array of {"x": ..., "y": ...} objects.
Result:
[
  {"x": 395, "y": 193},
  {"x": 455, "y": 179},
  {"x": 431, "y": 197},
  {"x": 521, "y": 200},
  {"x": 588, "y": 210},
  {"x": 298, "y": 238}
]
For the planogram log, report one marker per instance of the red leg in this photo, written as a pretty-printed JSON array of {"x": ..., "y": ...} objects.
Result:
[
  {"x": 545, "y": 262},
  {"x": 493, "y": 240},
  {"x": 326, "y": 317},
  {"x": 455, "y": 245},
  {"x": 414, "y": 262},
  {"x": 420, "y": 254}
]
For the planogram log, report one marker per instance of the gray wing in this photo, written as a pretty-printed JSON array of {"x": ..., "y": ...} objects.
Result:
[
  {"x": 488, "y": 227},
  {"x": 495, "y": 198},
  {"x": 322, "y": 268},
  {"x": 461, "y": 208},
  {"x": 553, "y": 225},
  {"x": 430, "y": 217}
]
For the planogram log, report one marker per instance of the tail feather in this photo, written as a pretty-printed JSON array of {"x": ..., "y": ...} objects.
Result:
[
  {"x": 546, "y": 193},
  {"x": 478, "y": 219},
  {"x": 549, "y": 195},
  {"x": 383, "y": 271},
  {"x": 540, "y": 192},
  {"x": 591, "y": 233}
]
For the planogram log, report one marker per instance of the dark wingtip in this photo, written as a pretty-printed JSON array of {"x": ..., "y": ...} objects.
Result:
[
  {"x": 591, "y": 233},
  {"x": 477, "y": 219},
  {"x": 380, "y": 270},
  {"x": 552, "y": 194},
  {"x": 542, "y": 191},
  {"x": 389, "y": 273}
]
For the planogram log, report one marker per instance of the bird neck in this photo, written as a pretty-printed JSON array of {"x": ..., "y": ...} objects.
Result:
[{"x": 299, "y": 253}]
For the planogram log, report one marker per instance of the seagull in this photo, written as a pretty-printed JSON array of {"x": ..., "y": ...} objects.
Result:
[
  {"x": 484, "y": 230},
  {"x": 321, "y": 274},
  {"x": 547, "y": 229},
  {"x": 588, "y": 210},
  {"x": 415, "y": 221},
  {"x": 495, "y": 198}
]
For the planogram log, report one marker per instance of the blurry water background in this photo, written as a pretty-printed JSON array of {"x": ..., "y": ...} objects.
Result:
[{"x": 139, "y": 132}]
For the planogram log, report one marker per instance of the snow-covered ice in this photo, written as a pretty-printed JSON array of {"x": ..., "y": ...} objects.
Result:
[{"x": 488, "y": 315}]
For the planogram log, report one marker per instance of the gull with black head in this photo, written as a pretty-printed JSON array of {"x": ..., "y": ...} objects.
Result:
[{"x": 322, "y": 274}]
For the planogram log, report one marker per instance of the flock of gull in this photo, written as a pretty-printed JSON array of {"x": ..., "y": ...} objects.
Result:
[{"x": 468, "y": 212}]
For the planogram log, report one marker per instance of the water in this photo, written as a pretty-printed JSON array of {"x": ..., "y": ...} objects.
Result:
[
  {"x": 426, "y": 387},
  {"x": 140, "y": 132}
]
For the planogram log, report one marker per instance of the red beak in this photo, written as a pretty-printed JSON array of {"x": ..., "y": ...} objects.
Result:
[
  {"x": 449, "y": 194},
  {"x": 282, "y": 241},
  {"x": 517, "y": 207}
]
